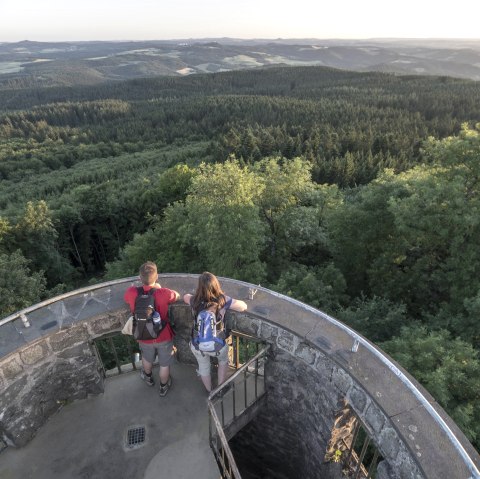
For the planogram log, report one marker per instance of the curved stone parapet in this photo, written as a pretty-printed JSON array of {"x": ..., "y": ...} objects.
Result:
[{"x": 46, "y": 359}]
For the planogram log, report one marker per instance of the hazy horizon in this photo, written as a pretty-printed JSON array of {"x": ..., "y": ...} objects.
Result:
[
  {"x": 146, "y": 20},
  {"x": 289, "y": 39}
]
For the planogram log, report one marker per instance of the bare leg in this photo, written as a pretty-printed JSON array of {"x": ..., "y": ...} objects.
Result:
[
  {"x": 207, "y": 382},
  {"x": 147, "y": 367},
  {"x": 164, "y": 374},
  {"x": 222, "y": 373}
]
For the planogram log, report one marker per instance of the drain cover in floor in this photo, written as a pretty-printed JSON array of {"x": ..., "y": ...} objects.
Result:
[{"x": 135, "y": 436}]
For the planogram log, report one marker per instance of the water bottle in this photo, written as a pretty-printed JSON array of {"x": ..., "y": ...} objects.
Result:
[{"x": 156, "y": 318}]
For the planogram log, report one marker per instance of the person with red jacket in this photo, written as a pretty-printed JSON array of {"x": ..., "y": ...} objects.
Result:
[{"x": 162, "y": 346}]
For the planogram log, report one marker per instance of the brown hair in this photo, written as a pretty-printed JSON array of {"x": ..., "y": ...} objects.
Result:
[
  {"x": 208, "y": 293},
  {"x": 148, "y": 273}
]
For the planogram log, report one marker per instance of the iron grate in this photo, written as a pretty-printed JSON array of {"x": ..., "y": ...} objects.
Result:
[{"x": 135, "y": 436}]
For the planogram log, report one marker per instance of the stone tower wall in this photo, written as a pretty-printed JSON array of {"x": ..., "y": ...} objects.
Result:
[{"x": 316, "y": 364}]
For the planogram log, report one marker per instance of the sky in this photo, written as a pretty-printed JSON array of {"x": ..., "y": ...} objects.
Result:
[{"x": 57, "y": 20}]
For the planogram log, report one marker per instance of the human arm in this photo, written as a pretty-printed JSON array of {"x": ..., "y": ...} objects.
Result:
[
  {"x": 176, "y": 295},
  {"x": 238, "y": 305},
  {"x": 130, "y": 296},
  {"x": 187, "y": 298},
  {"x": 163, "y": 298}
]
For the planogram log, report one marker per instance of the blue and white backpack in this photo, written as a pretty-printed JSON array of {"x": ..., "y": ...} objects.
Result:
[{"x": 208, "y": 333}]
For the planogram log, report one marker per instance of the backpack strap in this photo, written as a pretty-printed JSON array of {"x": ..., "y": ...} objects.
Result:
[
  {"x": 222, "y": 313},
  {"x": 141, "y": 291}
]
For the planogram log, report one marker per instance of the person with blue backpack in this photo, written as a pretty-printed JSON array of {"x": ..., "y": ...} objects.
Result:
[{"x": 209, "y": 305}]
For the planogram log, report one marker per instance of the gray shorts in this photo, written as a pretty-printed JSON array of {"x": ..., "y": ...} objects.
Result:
[
  {"x": 163, "y": 350},
  {"x": 203, "y": 359}
]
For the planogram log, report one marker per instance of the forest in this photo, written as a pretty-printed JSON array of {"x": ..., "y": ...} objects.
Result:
[{"x": 357, "y": 193}]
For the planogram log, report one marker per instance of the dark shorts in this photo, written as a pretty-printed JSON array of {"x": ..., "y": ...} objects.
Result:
[{"x": 163, "y": 350}]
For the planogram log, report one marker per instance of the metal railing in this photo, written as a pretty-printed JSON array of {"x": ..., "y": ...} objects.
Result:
[
  {"x": 253, "y": 371},
  {"x": 362, "y": 456},
  {"x": 116, "y": 351},
  {"x": 242, "y": 348},
  {"x": 120, "y": 352}
]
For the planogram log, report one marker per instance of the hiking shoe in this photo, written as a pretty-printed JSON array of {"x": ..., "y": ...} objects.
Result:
[
  {"x": 163, "y": 389},
  {"x": 148, "y": 379}
]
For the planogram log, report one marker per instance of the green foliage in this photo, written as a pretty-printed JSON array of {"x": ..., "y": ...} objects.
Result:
[
  {"x": 284, "y": 187},
  {"x": 413, "y": 237},
  {"x": 141, "y": 249},
  {"x": 322, "y": 287},
  {"x": 467, "y": 327},
  {"x": 235, "y": 216},
  {"x": 119, "y": 346},
  {"x": 35, "y": 235},
  {"x": 436, "y": 260},
  {"x": 19, "y": 286},
  {"x": 356, "y": 193},
  {"x": 360, "y": 228},
  {"x": 167, "y": 243},
  {"x": 217, "y": 228},
  {"x": 376, "y": 318},
  {"x": 167, "y": 188},
  {"x": 462, "y": 322},
  {"x": 448, "y": 368},
  {"x": 99, "y": 205},
  {"x": 177, "y": 251},
  {"x": 5, "y": 230},
  {"x": 224, "y": 222}
]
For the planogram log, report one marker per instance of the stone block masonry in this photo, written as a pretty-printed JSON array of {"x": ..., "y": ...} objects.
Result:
[
  {"x": 305, "y": 389},
  {"x": 39, "y": 379}
]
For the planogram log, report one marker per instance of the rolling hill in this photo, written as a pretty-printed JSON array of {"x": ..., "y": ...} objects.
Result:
[{"x": 29, "y": 64}]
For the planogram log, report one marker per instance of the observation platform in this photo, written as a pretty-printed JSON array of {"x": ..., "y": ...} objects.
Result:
[
  {"x": 322, "y": 383},
  {"x": 87, "y": 438}
]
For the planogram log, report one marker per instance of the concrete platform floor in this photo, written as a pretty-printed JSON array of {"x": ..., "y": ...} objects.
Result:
[{"x": 87, "y": 438}]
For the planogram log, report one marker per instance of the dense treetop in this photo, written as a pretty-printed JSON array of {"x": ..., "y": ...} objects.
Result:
[{"x": 355, "y": 193}]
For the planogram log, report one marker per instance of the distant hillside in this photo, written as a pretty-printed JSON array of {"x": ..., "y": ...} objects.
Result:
[{"x": 35, "y": 64}]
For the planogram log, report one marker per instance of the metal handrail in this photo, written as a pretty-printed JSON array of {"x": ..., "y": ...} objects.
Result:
[
  {"x": 219, "y": 425},
  {"x": 237, "y": 341},
  {"x": 223, "y": 440},
  {"x": 360, "y": 468},
  {"x": 238, "y": 372}
]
